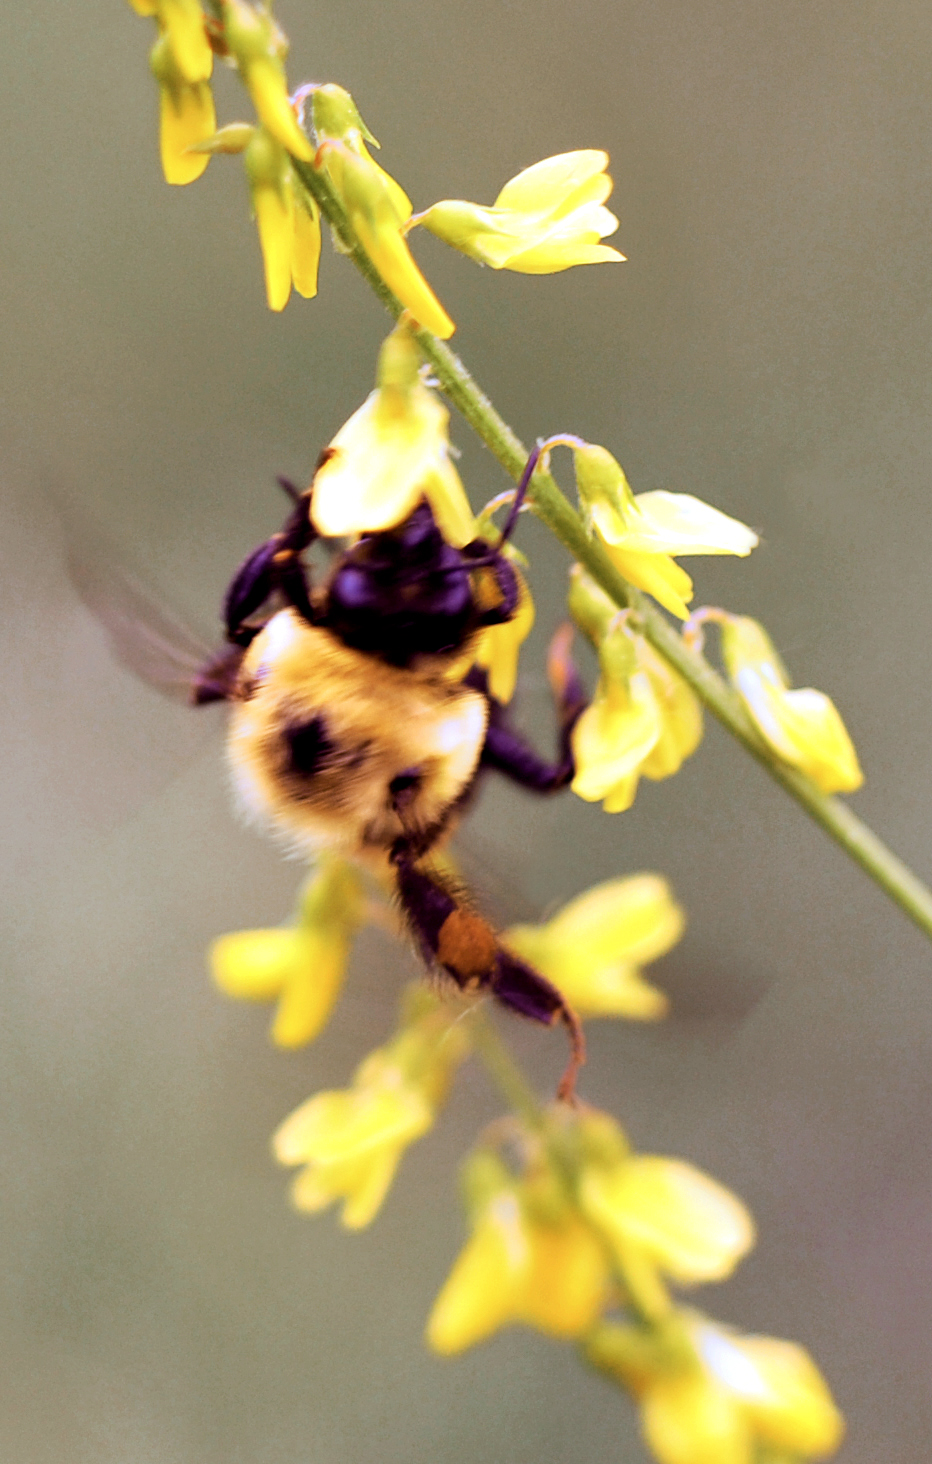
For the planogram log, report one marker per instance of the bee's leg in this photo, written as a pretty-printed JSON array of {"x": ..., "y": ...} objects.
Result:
[
  {"x": 275, "y": 565},
  {"x": 454, "y": 936},
  {"x": 507, "y": 751}
]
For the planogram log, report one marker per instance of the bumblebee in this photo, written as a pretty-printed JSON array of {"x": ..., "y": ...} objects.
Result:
[{"x": 359, "y": 722}]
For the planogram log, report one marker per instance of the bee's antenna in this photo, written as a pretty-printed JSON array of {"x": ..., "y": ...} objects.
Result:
[{"x": 520, "y": 495}]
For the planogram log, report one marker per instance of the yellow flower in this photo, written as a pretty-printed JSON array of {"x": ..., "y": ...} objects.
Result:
[
  {"x": 667, "y": 1214},
  {"x": 392, "y": 452},
  {"x": 549, "y": 218},
  {"x": 337, "y": 119},
  {"x": 643, "y": 720},
  {"x": 802, "y": 726},
  {"x": 288, "y": 224},
  {"x": 302, "y": 966},
  {"x": 499, "y": 645},
  {"x": 181, "y": 22},
  {"x": 592, "y": 950},
  {"x": 350, "y": 1141},
  {"x": 643, "y": 532},
  {"x": 547, "y": 1270},
  {"x": 258, "y": 46},
  {"x": 186, "y": 115},
  {"x": 374, "y": 209},
  {"x": 712, "y": 1396}
]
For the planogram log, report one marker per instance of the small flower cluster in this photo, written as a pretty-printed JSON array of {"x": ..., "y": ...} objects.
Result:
[
  {"x": 582, "y": 1239},
  {"x": 549, "y": 218},
  {"x": 644, "y": 719}
]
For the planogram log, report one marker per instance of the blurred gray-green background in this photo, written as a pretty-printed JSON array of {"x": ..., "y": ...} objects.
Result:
[{"x": 768, "y": 347}]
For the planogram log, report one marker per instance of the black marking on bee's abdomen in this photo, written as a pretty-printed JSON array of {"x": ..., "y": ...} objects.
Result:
[
  {"x": 309, "y": 747},
  {"x": 405, "y": 786}
]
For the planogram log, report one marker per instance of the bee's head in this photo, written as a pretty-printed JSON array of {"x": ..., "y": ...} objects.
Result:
[{"x": 406, "y": 593}]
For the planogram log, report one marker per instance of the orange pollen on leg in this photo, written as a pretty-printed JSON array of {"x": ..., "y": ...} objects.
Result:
[{"x": 467, "y": 944}]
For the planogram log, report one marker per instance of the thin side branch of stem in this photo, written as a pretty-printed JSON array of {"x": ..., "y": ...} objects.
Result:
[{"x": 836, "y": 818}]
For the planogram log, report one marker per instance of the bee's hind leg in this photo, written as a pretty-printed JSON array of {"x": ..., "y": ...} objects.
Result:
[
  {"x": 507, "y": 751},
  {"x": 455, "y": 937}
]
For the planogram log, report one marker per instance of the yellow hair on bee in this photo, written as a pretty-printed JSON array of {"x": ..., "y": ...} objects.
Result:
[{"x": 332, "y": 748}]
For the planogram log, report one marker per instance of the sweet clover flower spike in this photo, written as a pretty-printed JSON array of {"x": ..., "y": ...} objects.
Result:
[
  {"x": 300, "y": 966},
  {"x": 258, "y": 47},
  {"x": 372, "y": 201},
  {"x": 802, "y": 726},
  {"x": 186, "y": 115},
  {"x": 644, "y": 532},
  {"x": 392, "y": 452},
  {"x": 288, "y": 224},
  {"x": 531, "y": 1259},
  {"x": 592, "y": 950},
  {"x": 549, "y": 218},
  {"x": 711, "y": 1396},
  {"x": 350, "y": 1141},
  {"x": 643, "y": 719}
]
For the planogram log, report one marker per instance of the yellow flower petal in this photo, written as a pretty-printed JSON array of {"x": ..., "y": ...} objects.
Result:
[
  {"x": 678, "y": 523},
  {"x": 393, "y": 259},
  {"x": 499, "y": 645},
  {"x": 681, "y": 716},
  {"x": 305, "y": 250},
  {"x": 691, "y": 1227},
  {"x": 548, "y": 218},
  {"x": 567, "y": 1283},
  {"x": 254, "y": 965},
  {"x": 658, "y": 575},
  {"x": 310, "y": 995},
  {"x": 186, "y": 117},
  {"x": 563, "y": 181},
  {"x": 613, "y": 736},
  {"x": 392, "y": 451},
  {"x": 275, "y": 222},
  {"x": 479, "y": 1294},
  {"x": 802, "y": 726},
  {"x": 591, "y": 949},
  {"x": 690, "y": 1419},
  {"x": 184, "y": 23}
]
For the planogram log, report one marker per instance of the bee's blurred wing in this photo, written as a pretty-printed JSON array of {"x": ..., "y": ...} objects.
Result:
[{"x": 143, "y": 635}]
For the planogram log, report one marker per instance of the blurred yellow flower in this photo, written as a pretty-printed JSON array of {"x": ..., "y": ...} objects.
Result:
[
  {"x": 802, "y": 726},
  {"x": 642, "y": 721},
  {"x": 711, "y": 1396},
  {"x": 643, "y": 532},
  {"x": 499, "y": 646},
  {"x": 373, "y": 203},
  {"x": 547, "y": 1271},
  {"x": 669, "y": 1214},
  {"x": 592, "y": 950},
  {"x": 302, "y": 966},
  {"x": 288, "y": 224},
  {"x": 392, "y": 452},
  {"x": 548, "y": 218},
  {"x": 181, "y": 23},
  {"x": 350, "y": 1141},
  {"x": 258, "y": 47},
  {"x": 186, "y": 115}
]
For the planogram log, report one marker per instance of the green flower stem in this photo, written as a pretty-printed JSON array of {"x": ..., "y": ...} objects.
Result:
[
  {"x": 505, "y": 1072},
  {"x": 835, "y": 817}
]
